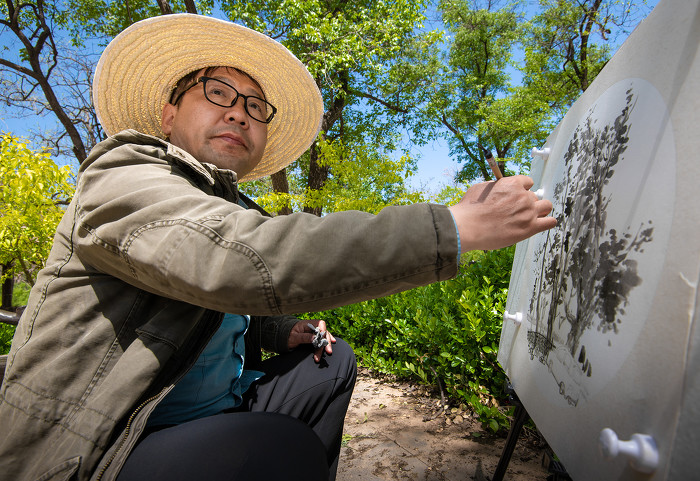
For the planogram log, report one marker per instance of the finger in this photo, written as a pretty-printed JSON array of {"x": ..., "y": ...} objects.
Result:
[
  {"x": 525, "y": 181},
  {"x": 545, "y": 223},
  {"x": 331, "y": 340},
  {"x": 543, "y": 207},
  {"x": 317, "y": 355}
]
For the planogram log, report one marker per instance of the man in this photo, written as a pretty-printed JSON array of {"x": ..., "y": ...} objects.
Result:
[{"x": 124, "y": 365}]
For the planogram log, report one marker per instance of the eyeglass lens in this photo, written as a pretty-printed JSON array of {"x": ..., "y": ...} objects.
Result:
[{"x": 225, "y": 95}]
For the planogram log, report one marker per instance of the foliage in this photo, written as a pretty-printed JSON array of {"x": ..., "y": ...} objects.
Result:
[
  {"x": 20, "y": 294},
  {"x": 360, "y": 178},
  {"x": 6, "y": 333},
  {"x": 19, "y": 298},
  {"x": 33, "y": 191},
  {"x": 444, "y": 334},
  {"x": 569, "y": 43},
  {"x": 348, "y": 48},
  {"x": 482, "y": 96},
  {"x": 464, "y": 90}
]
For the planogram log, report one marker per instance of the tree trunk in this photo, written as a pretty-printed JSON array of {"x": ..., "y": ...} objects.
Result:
[
  {"x": 281, "y": 185},
  {"x": 190, "y": 6},
  {"x": 164, "y": 6},
  {"x": 317, "y": 178},
  {"x": 43, "y": 47},
  {"x": 7, "y": 288}
]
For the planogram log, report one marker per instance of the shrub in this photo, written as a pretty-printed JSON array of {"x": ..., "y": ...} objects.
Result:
[
  {"x": 20, "y": 294},
  {"x": 445, "y": 334}
]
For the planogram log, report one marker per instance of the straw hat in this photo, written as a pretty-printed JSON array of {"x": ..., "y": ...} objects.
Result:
[{"x": 139, "y": 69}]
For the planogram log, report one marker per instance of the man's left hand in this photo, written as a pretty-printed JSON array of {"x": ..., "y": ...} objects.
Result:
[{"x": 303, "y": 334}]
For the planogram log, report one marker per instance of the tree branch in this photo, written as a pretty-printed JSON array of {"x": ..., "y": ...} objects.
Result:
[
  {"x": 190, "y": 6},
  {"x": 164, "y": 7},
  {"x": 386, "y": 104}
]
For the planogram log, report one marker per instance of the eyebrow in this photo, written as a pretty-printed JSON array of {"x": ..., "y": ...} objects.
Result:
[{"x": 256, "y": 91}]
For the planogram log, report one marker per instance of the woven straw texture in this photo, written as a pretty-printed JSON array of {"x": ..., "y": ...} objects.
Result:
[{"x": 140, "y": 67}]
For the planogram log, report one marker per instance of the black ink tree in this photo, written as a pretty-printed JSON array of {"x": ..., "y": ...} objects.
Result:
[{"x": 586, "y": 274}]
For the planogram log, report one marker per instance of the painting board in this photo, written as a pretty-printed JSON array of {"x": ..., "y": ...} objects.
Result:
[{"x": 609, "y": 297}]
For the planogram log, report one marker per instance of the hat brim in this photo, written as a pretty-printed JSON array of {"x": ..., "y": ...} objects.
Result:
[{"x": 139, "y": 69}]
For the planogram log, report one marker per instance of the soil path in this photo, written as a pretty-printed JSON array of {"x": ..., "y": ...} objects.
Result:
[{"x": 396, "y": 431}]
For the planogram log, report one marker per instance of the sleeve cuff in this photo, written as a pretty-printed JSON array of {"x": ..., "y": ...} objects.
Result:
[{"x": 459, "y": 243}]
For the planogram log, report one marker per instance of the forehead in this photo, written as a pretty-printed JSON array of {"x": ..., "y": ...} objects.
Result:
[{"x": 238, "y": 77}]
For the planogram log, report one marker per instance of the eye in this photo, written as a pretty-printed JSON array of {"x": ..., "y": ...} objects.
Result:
[
  {"x": 216, "y": 91},
  {"x": 219, "y": 92},
  {"x": 256, "y": 104}
]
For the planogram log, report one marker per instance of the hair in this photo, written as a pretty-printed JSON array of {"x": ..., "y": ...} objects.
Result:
[{"x": 186, "y": 82}]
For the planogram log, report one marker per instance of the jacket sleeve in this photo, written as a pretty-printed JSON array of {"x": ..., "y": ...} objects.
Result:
[
  {"x": 144, "y": 219},
  {"x": 274, "y": 332}
]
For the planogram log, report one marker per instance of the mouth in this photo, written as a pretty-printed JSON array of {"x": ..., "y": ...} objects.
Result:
[{"x": 231, "y": 139}]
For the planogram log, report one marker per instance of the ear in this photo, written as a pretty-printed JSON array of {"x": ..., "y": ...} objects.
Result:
[{"x": 167, "y": 119}]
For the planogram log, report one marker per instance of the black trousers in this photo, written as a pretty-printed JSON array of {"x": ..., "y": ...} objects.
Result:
[{"x": 289, "y": 427}]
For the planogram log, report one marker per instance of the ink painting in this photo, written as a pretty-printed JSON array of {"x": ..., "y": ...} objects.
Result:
[
  {"x": 587, "y": 296},
  {"x": 601, "y": 325}
]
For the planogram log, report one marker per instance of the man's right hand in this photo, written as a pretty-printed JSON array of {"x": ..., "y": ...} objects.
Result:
[{"x": 492, "y": 215}]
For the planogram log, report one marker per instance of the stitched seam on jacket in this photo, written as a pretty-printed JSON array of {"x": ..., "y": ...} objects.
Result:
[
  {"x": 105, "y": 360},
  {"x": 45, "y": 288},
  {"x": 440, "y": 261},
  {"x": 73, "y": 464},
  {"x": 369, "y": 285},
  {"x": 154, "y": 337},
  {"x": 96, "y": 239},
  {"x": 54, "y": 398},
  {"x": 54, "y": 423},
  {"x": 255, "y": 259}
]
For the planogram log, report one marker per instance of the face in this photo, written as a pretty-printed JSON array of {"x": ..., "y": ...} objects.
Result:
[{"x": 224, "y": 136}]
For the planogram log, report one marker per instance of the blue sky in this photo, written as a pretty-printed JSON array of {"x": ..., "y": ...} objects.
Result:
[{"x": 435, "y": 167}]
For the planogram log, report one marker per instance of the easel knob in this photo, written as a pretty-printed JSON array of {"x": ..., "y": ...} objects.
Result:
[
  {"x": 516, "y": 318},
  {"x": 640, "y": 449},
  {"x": 544, "y": 153}
]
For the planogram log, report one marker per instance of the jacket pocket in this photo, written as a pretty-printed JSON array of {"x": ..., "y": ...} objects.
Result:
[{"x": 63, "y": 471}]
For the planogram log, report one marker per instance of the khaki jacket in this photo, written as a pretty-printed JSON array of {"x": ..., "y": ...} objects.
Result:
[{"x": 150, "y": 251}]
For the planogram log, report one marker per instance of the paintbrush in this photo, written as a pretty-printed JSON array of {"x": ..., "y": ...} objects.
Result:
[{"x": 494, "y": 166}]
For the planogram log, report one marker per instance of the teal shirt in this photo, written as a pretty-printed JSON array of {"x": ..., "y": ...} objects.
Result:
[{"x": 216, "y": 382}]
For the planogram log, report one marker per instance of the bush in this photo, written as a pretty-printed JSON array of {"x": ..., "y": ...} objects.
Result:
[
  {"x": 445, "y": 334},
  {"x": 20, "y": 294},
  {"x": 6, "y": 333}
]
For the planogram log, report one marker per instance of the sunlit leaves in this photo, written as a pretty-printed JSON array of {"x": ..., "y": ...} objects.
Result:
[
  {"x": 361, "y": 179},
  {"x": 32, "y": 192},
  {"x": 333, "y": 36}
]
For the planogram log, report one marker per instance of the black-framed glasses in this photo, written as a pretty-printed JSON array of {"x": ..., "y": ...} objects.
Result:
[{"x": 222, "y": 94}]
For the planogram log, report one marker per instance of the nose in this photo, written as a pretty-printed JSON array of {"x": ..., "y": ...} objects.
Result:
[{"x": 237, "y": 113}]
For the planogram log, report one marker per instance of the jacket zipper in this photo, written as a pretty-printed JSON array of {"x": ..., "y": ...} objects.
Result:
[{"x": 127, "y": 430}]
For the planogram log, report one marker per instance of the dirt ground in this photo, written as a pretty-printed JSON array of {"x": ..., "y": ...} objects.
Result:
[{"x": 396, "y": 431}]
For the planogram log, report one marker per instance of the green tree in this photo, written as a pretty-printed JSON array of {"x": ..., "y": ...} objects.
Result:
[
  {"x": 569, "y": 43},
  {"x": 348, "y": 48},
  {"x": 466, "y": 90},
  {"x": 360, "y": 178},
  {"x": 480, "y": 108},
  {"x": 33, "y": 192}
]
